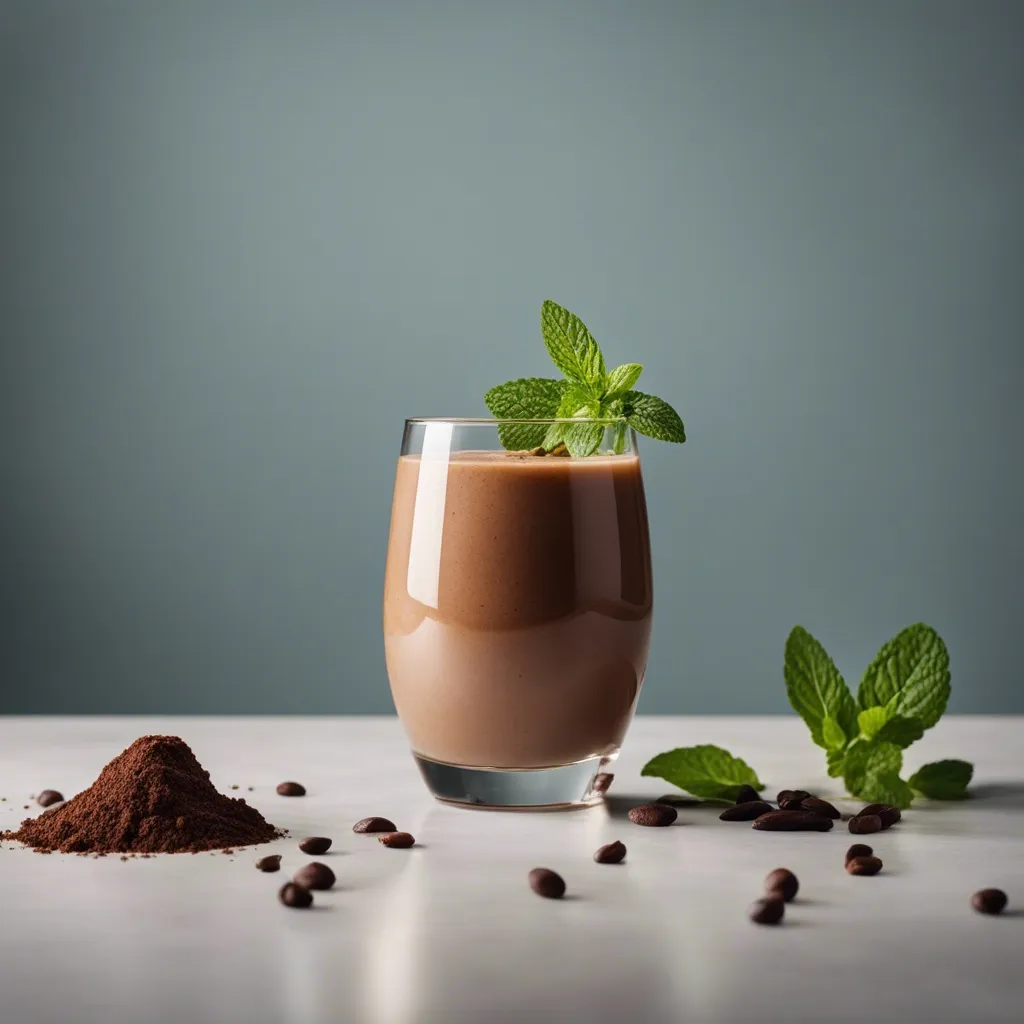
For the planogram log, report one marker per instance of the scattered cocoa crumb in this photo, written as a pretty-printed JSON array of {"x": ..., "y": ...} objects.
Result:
[{"x": 234, "y": 787}]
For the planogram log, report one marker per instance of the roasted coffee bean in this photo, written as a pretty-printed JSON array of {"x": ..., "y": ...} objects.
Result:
[
  {"x": 49, "y": 797},
  {"x": 292, "y": 895},
  {"x": 746, "y": 795},
  {"x": 676, "y": 800},
  {"x": 611, "y": 853},
  {"x": 767, "y": 911},
  {"x": 865, "y": 824},
  {"x": 989, "y": 901},
  {"x": 792, "y": 821},
  {"x": 889, "y": 814},
  {"x": 602, "y": 780},
  {"x": 397, "y": 840},
  {"x": 314, "y": 876},
  {"x": 374, "y": 825},
  {"x": 783, "y": 882},
  {"x": 746, "y": 812},
  {"x": 818, "y": 806},
  {"x": 858, "y": 850},
  {"x": 546, "y": 883},
  {"x": 271, "y": 863},
  {"x": 788, "y": 795},
  {"x": 864, "y": 865},
  {"x": 653, "y": 815},
  {"x": 315, "y": 845},
  {"x": 291, "y": 789}
]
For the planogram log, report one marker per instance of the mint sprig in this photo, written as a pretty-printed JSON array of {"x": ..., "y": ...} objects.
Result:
[
  {"x": 706, "y": 771},
  {"x": 589, "y": 391}
]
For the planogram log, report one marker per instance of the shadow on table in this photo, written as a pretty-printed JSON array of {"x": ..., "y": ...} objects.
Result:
[{"x": 1008, "y": 796}]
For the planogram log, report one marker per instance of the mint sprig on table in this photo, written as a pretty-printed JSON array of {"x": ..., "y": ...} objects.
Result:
[
  {"x": 903, "y": 692},
  {"x": 589, "y": 391}
]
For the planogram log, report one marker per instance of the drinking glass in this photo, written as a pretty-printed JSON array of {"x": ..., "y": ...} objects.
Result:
[{"x": 517, "y": 608}]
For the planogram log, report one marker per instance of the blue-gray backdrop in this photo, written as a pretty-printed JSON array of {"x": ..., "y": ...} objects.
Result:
[{"x": 242, "y": 240}]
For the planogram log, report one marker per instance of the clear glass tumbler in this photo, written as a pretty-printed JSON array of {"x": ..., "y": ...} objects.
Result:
[{"x": 517, "y": 609}]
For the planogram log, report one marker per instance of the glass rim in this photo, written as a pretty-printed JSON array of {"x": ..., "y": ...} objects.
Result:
[{"x": 484, "y": 421}]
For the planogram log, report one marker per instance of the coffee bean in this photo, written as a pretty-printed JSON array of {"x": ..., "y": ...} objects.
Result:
[
  {"x": 291, "y": 789},
  {"x": 602, "y": 780},
  {"x": 48, "y": 797},
  {"x": 374, "y": 825},
  {"x": 611, "y": 853},
  {"x": 271, "y": 863},
  {"x": 314, "y": 876},
  {"x": 865, "y": 824},
  {"x": 858, "y": 850},
  {"x": 315, "y": 845},
  {"x": 792, "y": 821},
  {"x": 767, "y": 911},
  {"x": 653, "y": 815},
  {"x": 864, "y": 865},
  {"x": 746, "y": 812},
  {"x": 889, "y": 814},
  {"x": 786, "y": 795},
  {"x": 546, "y": 883},
  {"x": 746, "y": 795},
  {"x": 989, "y": 901},
  {"x": 783, "y": 882},
  {"x": 292, "y": 895},
  {"x": 397, "y": 840},
  {"x": 818, "y": 806},
  {"x": 676, "y": 800}
]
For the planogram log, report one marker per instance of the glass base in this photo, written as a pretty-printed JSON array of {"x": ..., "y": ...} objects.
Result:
[{"x": 562, "y": 787}]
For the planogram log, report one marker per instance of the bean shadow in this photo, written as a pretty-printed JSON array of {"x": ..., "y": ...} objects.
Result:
[{"x": 618, "y": 805}]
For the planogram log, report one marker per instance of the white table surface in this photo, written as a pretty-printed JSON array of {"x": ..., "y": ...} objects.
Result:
[{"x": 449, "y": 932}]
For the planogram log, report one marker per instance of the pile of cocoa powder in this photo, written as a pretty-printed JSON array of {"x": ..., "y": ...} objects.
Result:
[{"x": 153, "y": 797}]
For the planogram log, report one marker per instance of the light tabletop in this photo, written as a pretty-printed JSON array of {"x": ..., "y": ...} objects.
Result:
[{"x": 449, "y": 932}]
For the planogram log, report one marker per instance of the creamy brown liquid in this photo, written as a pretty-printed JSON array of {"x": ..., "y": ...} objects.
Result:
[{"x": 517, "y": 605}]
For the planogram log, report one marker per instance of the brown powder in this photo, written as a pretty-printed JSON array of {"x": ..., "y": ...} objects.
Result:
[{"x": 153, "y": 797}]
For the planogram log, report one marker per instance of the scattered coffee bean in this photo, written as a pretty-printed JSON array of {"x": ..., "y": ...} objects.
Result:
[
  {"x": 858, "y": 850},
  {"x": 865, "y": 824},
  {"x": 889, "y": 814},
  {"x": 315, "y": 845},
  {"x": 767, "y": 911},
  {"x": 611, "y": 853},
  {"x": 864, "y": 865},
  {"x": 271, "y": 863},
  {"x": 291, "y": 789},
  {"x": 747, "y": 811},
  {"x": 676, "y": 800},
  {"x": 989, "y": 901},
  {"x": 546, "y": 883},
  {"x": 653, "y": 815},
  {"x": 792, "y": 821},
  {"x": 374, "y": 825},
  {"x": 746, "y": 795},
  {"x": 292, "y": 895},
  {"x": 789, "y": 796},
  {"x": 783, "y": 882},
  {"x": 397, "y": 840},
  {"x": 314, "y": 876},
  {"x": 48, "y": 797},
  {"x": 818, "y": 806},
  {"x": 602, "y": 780}
]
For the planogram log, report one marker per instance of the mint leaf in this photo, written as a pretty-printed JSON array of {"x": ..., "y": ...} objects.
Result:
[
  {"x": 815, "y": 688},
  {"x": 871, "y": 771},
  {"x": 705, "y": 771},
  {"x": 652, "y": 417},
  {"x": 529, "y": 398},
  {"x": 887, "y": 788},
  {"x": 835, "y": 760},
  {"x": 582, "y": 439},
  {"x": 901, "y": 731},
  {"x": 621, "y": 379},
  {"x": 571, "y": 346},
  {"x": 910, "y": 676},
  {"x": 871, "y": 720},
  {"x": 943, "y": 780},
  {"x": 578, "y": 400},
  {"x": 832, "y": 734}
]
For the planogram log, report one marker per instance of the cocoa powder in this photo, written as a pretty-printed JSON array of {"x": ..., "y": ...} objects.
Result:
[{"x": 153, "y": 797}]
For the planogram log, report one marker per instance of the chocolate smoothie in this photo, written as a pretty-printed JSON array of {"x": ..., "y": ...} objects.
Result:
[{"x": 517, "y": 605}]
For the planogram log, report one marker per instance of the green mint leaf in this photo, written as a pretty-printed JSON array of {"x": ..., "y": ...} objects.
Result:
[
  {"x": 901, "y": 730},
  {"x": 652, "y": 417},
  {"x": 910, "y": 676},
  {"x": 835, "y": 760},
  {"x": 871, "y": 771},
  {"x": 887, "y": 788},
  {"x": 578, "y": 400},
  {"x": 705, "y": 771},
  {"x": 582, "y": 439},
  {"x": 621, "y": 379},
  {"x": 832, "y": 734},
  {"x": 815, "y": 687},
  {"x": 571, "y": 346},
  {"x": 943, "y": 780},
  {"x": 529, "y": 398},
  {"x": 871, "y": 720}
]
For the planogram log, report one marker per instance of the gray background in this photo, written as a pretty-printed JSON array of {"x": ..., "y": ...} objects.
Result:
[{"x": 241, "y": 241}]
